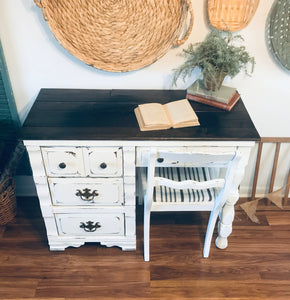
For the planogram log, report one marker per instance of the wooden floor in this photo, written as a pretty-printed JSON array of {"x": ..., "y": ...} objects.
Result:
[{"x": 256, "y": 265}]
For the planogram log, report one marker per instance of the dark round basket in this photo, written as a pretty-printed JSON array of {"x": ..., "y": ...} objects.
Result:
[{"x": 8, "y": 205}]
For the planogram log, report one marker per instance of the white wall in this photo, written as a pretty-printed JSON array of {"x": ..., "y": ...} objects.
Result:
[{"x": 36, "y": 60}]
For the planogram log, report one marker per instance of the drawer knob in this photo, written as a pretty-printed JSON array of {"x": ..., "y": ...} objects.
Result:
[
  {"x": 89, "y": 226},
  {"x": 160, "y": 160},
  {"x": 62, "y": 165},
  {"x": 103, "y": 165},
  {"x": 87, "y": 195}
]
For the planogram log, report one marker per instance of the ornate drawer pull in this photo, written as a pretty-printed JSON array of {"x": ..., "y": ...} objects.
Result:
[
  {"x": 87, "y": 195},
  {"x": 62, "y": 165},
  {"x": 89, "y": 226},
  {"x": 103, "y": 165}
]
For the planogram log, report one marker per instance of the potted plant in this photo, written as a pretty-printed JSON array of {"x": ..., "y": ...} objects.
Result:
[{"x": 216, "y": 57}]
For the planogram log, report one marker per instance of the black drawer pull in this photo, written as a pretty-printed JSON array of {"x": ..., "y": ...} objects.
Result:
[
  {"x": 87, "y": 195},
  {"x": 160, "y": 160},
  {"x": 89, "y": 226},
  {"x": 62, "y": 165},
  {"x": 103, "y": 165}
]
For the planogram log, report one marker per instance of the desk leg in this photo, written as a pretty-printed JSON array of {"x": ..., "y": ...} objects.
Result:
[
  {"x": 226, "y": 219},
  {"x": 227, "y": 214}
]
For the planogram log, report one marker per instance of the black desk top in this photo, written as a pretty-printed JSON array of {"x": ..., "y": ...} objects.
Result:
[{"x": 81, "y": 114}]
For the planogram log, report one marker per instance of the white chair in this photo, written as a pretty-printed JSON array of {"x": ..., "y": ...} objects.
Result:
[{"x": 191, "y": 186}]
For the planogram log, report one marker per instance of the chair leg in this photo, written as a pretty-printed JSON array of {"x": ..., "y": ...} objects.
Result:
[
  {"x": 209, "y": 232},
  {"x": 146, "y": 232}
]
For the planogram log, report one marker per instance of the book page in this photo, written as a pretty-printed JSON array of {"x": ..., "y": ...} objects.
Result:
[
  {"x": 181, "y": 113},
  {"x": 153, "y": 114}
]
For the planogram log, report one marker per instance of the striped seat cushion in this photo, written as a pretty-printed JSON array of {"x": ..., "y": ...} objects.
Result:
[{"x": 165, "y": 194}]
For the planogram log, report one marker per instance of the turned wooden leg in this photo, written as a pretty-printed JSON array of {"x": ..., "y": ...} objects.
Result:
[
  {"x": 226, "y": 219},
  {"x": 227, "y": 213}
]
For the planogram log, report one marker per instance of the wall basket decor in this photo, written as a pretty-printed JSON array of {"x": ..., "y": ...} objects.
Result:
[
  {"x": 279, "y": 31},
  {"x": 118, "y": 36},
  {"x": 232, "y": 15}
]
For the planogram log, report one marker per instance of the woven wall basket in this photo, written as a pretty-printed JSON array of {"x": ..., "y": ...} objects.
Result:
[
  {"x": 279, "y": 31},
  {"x": 8, "y": 204},
  {"x": 118, "y": 35},
  {"x": 232, "y": 15}
]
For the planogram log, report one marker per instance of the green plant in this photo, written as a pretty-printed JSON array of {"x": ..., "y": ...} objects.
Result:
[{"x": 216, "y": 55}]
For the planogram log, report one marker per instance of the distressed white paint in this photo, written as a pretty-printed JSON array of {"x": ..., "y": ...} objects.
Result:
[
  {"x": 219, "y": 206},
  {"x": 56, "y": 190},
  {"x": 74, "y": 190}
]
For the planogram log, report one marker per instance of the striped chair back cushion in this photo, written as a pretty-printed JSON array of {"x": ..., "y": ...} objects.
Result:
[{"x": 166, "y": 194}]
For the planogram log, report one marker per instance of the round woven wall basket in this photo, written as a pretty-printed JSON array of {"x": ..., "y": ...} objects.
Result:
[
  {"x": 118, "y": 35},
  {"x": 232, "y": 15},
  {"x": 279, "y": 31}
]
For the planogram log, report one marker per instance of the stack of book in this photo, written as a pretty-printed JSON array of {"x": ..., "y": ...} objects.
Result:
[{"x": 225, "y": 98}]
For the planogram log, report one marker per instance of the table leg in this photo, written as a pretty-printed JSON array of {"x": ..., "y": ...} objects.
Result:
[
  {"x": 226, "y": 219},
  {"x": 227, "y": 214}
]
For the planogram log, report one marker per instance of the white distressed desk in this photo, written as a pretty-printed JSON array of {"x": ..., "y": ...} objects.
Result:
[{"x": 84, "y": 147}]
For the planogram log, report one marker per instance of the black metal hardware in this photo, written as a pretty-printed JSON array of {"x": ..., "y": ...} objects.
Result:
[
  {"x": 89, "y": 226},
  {"x": 160, "y": 159},
  {"x": 62, "y": 165},
  {"x": 103, "y": 165},
  {"x": 87, "y": 195}
]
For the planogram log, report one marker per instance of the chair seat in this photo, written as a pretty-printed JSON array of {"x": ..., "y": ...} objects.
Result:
[{"x": 177, "y": 197}]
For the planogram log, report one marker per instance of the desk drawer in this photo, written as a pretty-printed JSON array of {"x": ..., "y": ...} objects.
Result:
[
  {"x": 86, "y": 191},
  {"x": 83, "y": 161},
  {"x": 63, "y": 161},
  {"x": 142, "y": 157},
  {"x": 103, "y": 161},
  {"x": 142, "y": 154},
  {"x": 111, "y": 224}
]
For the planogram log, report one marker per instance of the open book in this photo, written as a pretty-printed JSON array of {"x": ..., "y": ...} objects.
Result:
[{"x": 156, "y": 116}]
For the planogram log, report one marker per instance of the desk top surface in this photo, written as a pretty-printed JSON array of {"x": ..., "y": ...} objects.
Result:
[{"x": 82, "y": 114}]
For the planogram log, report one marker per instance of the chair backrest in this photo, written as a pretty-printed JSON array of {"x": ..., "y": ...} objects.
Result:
[{"x": 229, "y": 161}]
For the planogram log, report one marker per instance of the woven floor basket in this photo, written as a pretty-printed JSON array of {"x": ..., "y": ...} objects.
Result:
[
  {"x": 7, "y": 201},
  {"x": 118, "y": 35},
  {"x": 279, "y": 31},
  {"x": 232, "y": 15}
]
